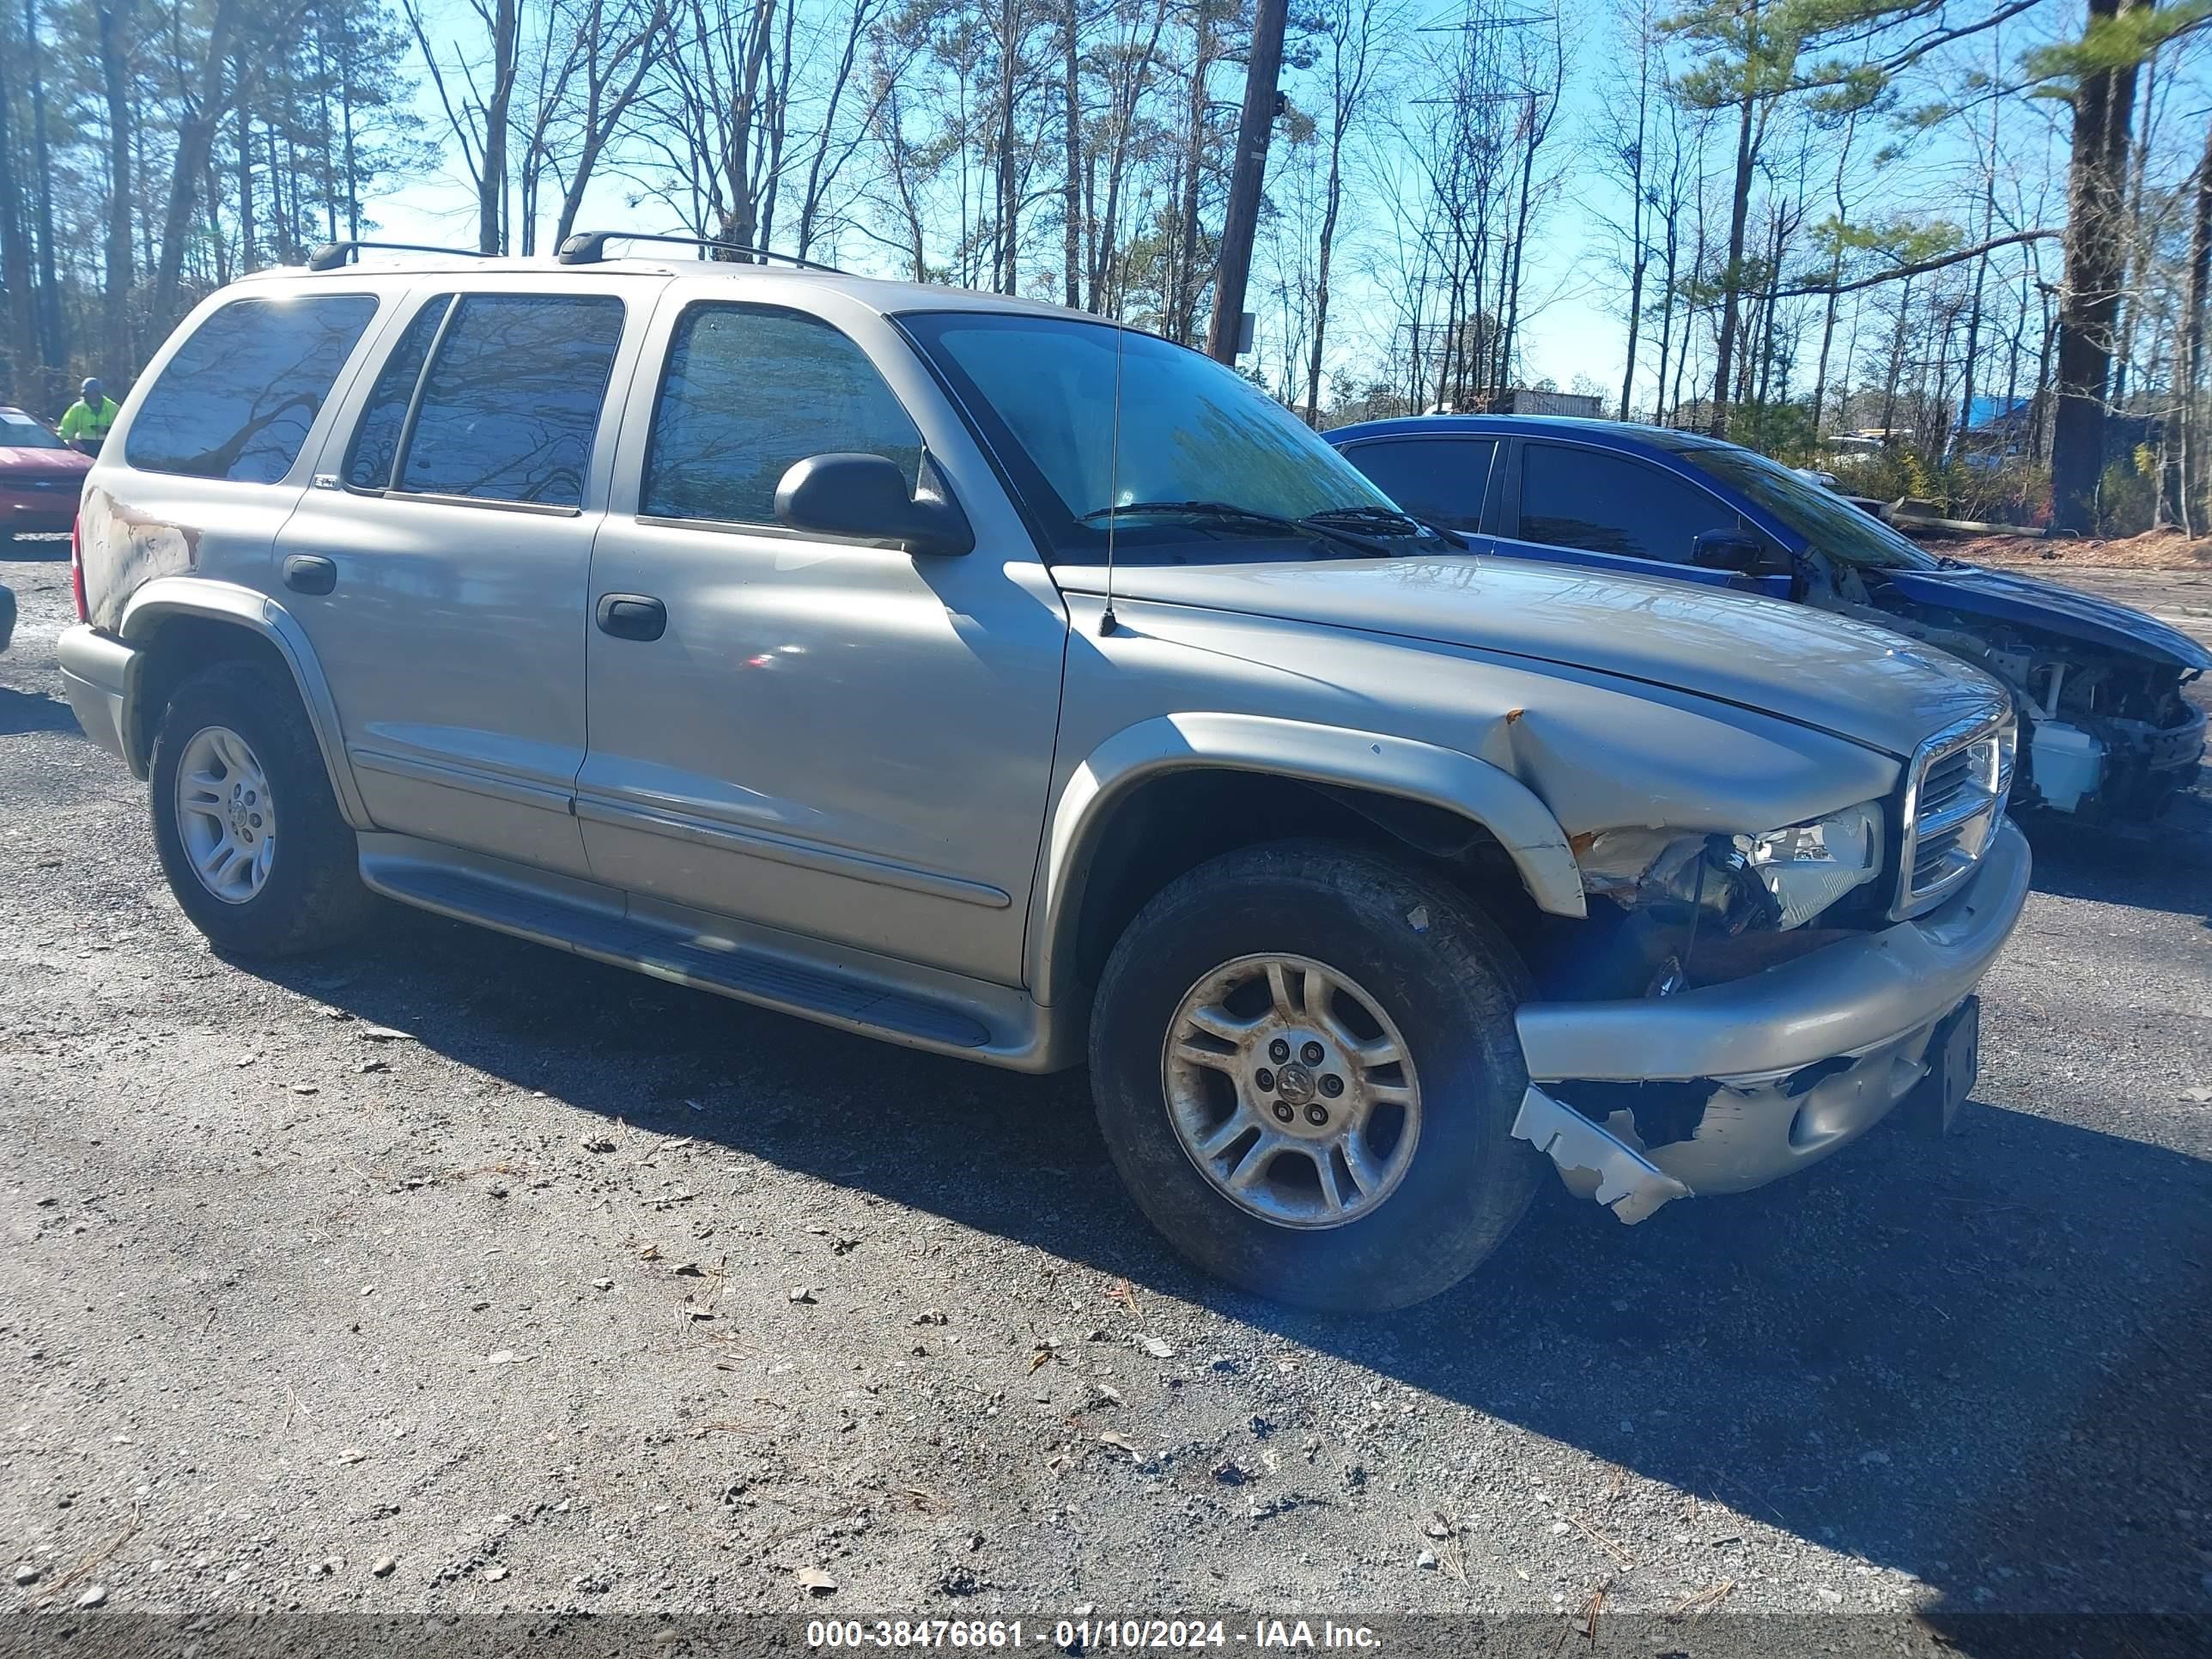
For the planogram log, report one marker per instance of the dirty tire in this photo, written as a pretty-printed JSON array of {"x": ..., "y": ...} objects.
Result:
[
  {"x": 314, "y": 897},
  {"x": 1450, "y": 987}
]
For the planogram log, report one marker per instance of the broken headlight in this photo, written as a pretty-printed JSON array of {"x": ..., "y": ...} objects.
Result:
[{"x": 1808, "y": 866}]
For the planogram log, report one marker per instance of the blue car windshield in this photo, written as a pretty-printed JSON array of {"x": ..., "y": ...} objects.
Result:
[{"x": 1823, "y": 518}]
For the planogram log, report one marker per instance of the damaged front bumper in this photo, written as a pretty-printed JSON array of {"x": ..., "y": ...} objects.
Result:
[{"x": 1729, "y": 1086}]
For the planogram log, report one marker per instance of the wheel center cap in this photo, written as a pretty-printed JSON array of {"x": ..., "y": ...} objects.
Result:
[{"x": 1295, "y": 1084}]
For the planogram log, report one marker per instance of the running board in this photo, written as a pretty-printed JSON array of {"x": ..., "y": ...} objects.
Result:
[{"x": 602, "y": 931}]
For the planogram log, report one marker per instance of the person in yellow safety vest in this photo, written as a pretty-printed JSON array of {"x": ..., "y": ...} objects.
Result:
[{"x": 90, "y": 416}]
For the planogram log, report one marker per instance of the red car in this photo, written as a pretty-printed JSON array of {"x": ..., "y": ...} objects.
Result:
[{"x": 40, "y": 478}]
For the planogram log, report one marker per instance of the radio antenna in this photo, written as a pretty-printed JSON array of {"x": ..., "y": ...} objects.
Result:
[{"x": 1106, "y": 623}]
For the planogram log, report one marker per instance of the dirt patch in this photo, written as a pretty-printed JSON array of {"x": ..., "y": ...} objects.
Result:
[{"x": 2154, "y": 549}]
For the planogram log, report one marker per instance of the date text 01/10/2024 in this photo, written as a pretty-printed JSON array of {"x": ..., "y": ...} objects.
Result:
[{"x": 1087, "y": 1635}]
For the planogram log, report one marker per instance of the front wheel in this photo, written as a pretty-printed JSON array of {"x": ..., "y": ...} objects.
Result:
[
  {"x": 248, "y": 831},
  {"x": 1307, "y": 1072}
]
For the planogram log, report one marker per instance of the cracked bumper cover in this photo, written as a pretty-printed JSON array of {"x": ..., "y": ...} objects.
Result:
[
  {"x": 96, "y": 678},
  {"x": 1872, "y": 1004}
]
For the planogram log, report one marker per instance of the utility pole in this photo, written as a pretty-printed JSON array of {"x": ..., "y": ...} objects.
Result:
[{"x": 1242, "y": 221}]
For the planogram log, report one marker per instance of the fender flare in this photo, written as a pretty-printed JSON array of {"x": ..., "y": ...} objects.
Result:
[
  {"x": 1460, "y": 783},
  {"x": 165, "y": 597}
]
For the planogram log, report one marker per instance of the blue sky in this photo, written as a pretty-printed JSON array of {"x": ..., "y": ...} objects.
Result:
[{"x": 1570, "y": 327}]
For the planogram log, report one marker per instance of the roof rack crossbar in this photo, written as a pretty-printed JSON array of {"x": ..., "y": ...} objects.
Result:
[
  {"x": 589, "y": 247},
  {"x": 330, "y": 255}
]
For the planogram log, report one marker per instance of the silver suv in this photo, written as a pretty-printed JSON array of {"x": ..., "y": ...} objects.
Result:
[{"x": 991, "y": 679}]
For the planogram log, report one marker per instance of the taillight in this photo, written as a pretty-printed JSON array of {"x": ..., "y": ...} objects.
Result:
[{"x": 76, "y": 567}]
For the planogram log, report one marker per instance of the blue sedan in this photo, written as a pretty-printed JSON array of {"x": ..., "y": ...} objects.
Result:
[{"x": 2107, "y": 732}]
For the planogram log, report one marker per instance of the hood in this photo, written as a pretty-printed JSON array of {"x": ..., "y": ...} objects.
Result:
[
  {"x": 1844, "y": 677},
  {"x": 16, "y": 459},
  {"x": 2002, "y": 597}
]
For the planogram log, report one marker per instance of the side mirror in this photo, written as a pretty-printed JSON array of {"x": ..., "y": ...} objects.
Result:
[
  {"x": 1732, "y": 549},
  {"x": 866, "y": 497}
]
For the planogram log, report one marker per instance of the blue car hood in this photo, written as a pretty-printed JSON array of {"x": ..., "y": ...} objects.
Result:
[{"x": 2066, "y": 611}]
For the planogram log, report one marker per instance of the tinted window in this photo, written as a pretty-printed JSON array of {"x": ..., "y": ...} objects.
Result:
[
  {"x": 748, "y": 392},
  {"x": 376, "y": 440},
  {"x": 1823, "y": 518},
  {"x": 237, "y": 399},
  {"x": 1608, "y": 503},
  {"x": 1440, "y": 479},
  {"x": 512, "y": 401}
]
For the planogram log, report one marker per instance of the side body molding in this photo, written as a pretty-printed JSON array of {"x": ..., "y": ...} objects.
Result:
[
  {"x": 1310, "y": 753},
  {"x": 166, "y": 597}
]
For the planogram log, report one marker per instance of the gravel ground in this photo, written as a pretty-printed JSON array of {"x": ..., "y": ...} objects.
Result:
[{"x": 458, "y": 1274}]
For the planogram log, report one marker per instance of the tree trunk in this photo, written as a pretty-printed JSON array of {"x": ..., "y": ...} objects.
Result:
[
  {"x": 2104, "y": 114},
  {"x": 247, "y": 257},
  {"x": 1670, "y": 256},
  {"x": 1510, "y": 278},
  {"x": 810, "y": 206},
  {"x": 1638, "y": 253},
  {"x": 1071, "y": 96},
  {"x": 115, "y": 302},
  {"x": 1732, "y": 273},
  {"x": 15, "y": 259},
  {"x": 2134, "y": 248},
  {"x": 345, "y": 113},
  {"x": 491, "y": 182},
  {"x": 1009, "y": 193},
  {"x": 195, "y": 138},
  {"x": 1240, "y": 223},
  {"x": 1104, "y": 297},
  {"x": 1974, "y": 315},
  {"x": 1896, "y": 364},
  {"x": 2191, "y": 368},
  {"x": 1333, "y": 201},
  {"x": 1183, "y": 309},
  {"x": 53, "y": 342},
  {"x": 740, "y": 221}
]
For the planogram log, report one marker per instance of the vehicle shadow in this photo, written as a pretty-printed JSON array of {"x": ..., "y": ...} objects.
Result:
[
  {"x": 1980, "y": 1361},
  {"x": 32, "y": 711},
  {"x": 36, "y": 549}
]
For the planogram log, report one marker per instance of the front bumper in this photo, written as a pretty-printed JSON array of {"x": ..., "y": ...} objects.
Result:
[
  {"x": 1792, "y": 1063},
  {"x": 96, "y": 674}
]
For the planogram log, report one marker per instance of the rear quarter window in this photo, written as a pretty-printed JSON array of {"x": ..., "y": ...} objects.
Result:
[{"x": 237, "y": 399}]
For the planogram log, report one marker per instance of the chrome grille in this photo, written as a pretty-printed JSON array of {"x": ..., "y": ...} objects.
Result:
[{"x": 1954, "y": 796}]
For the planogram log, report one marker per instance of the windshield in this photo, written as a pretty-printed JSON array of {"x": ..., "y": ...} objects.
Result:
[
  {"x": 1191, "y": 433},
  {"x": 1823, "y": 518},
  {"x": 20, "y": 431}
]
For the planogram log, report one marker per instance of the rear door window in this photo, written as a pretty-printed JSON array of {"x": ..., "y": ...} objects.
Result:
[
  {"x": 384, "y": 422},
  {"x": 237, "y": 399},
  {"x": 749, "y": 392},
  {"x": 1608, "y": 503},
  {"x": 511, "y": 402},
  {"x": 1440, "y": 479}
]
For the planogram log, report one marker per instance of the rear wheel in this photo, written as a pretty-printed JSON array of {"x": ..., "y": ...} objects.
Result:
[
  {"x": 249, "y": 834},
  {"x": 1307, "y": 1072}
]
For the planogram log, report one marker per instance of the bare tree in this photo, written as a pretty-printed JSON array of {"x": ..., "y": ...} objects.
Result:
[
  {"x": 1351, "y": 58},
  {"x": 478, "y": 114}
]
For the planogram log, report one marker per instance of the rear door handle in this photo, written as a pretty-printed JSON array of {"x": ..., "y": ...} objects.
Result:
[
  {"x": 632, "y": 616},
  {"x": 310, "y": 573}
]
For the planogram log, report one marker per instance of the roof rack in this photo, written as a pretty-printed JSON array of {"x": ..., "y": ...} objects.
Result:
[
  {"x": 589, "y": 247},
  {"x": 330, "y": 255}
]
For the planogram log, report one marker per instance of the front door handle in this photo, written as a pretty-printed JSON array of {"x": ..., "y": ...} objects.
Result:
[
  {"x": 310, "y": 573},
  {"x": 632, "y": 616}
]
